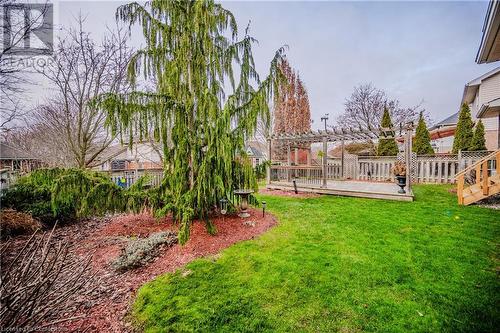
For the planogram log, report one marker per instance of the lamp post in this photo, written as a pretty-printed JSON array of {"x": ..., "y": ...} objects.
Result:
[
  {"x": 325, "y": 118},
  {"x": 263, "y": 208},
  {"x": 223, "y": 207}
]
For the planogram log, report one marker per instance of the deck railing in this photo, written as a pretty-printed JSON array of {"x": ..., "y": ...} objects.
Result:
[
  {"x": 310, "y": 175},
  {"x": 127, "y": 178},
  {"x": 425, "y": 169}
]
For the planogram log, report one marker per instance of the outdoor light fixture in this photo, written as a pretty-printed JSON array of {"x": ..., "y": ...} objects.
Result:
[
  {"x": 325, "y": 118},
  {"x": 223, "y": 206},
  {"x": 263, "y": 208}
]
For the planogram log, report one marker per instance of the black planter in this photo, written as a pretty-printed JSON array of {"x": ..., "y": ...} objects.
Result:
[{"x": 401, "y": 183}]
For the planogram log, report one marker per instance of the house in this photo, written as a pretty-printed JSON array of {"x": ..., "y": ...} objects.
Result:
[
  {"x": 443, "y": 133},
  {"x": 489, "y": 49},
  {"x": 126, "y": 165},
  {"x": 481, "y": 94},
  {"x": 483, "y": 97},
  {"x": 256, "y": 152},
  {"x": 15, "y": 159},
  {"x": 123, "y": 158},
  {"x": 487, "y": 98}
]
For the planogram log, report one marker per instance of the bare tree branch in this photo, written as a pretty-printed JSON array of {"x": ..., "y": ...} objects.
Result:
[
  {"x": 82, "y": 71},
  {"x": 365, "y": 107}
]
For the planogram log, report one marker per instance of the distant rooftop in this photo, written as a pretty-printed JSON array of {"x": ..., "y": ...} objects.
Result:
[
  {"x": 8, "y": 152},
  {"x": 450, "y": 121}
]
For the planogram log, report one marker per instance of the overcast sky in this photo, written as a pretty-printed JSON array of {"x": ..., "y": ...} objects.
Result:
[{"x": 413, "y": 50}]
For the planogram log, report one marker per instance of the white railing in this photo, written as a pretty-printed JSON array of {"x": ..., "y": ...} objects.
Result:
[
  {"x": 128, "y": 178},
  {"x": 377, "y": 168},
  {"x": 425, "y": 169}
]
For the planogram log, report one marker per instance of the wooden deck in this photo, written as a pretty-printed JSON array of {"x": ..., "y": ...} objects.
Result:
[{"x": 350, "y": 188}]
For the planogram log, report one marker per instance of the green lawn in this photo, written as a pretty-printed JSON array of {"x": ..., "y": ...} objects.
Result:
[{"x": 337, "y": 264}]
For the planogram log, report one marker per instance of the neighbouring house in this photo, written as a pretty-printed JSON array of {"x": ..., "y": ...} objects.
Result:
[
  {"x": 481, "y": 94},
  {"x": 256, "y": 151},
  {"x": 489, "y": 49},
  {"x": 123, "y": 158},
  {"x": 483, "y": 97},
  {"x": 443, "y": 133},
  {"x": 15, "y": 159},
  {"x": 125, "y": 165},
  {"x": 488, "y": 95}
]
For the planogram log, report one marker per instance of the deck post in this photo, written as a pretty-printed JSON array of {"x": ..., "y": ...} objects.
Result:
[
  {"x": 288, "y": 161},
  {"x": 408, "y": 148},
  {"x": 309, "y": 157},
  {"x": 296, "y": 157},
  {"x": 268, "y": 171},
  {"x": 323, "y": 169},
  {"x": 342, "y": 165}
]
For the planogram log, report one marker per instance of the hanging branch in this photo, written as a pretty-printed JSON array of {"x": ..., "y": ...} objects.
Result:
[{"x": 201, "y": 126}]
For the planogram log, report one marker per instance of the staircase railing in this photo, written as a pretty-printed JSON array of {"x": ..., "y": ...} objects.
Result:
[{"x": 481, "y": 173}]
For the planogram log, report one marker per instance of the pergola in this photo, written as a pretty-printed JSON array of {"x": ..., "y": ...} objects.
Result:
[{"x": 319, "y": 175}]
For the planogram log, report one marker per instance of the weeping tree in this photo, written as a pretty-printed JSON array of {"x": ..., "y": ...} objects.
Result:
[{"x": 207, "y": 101}]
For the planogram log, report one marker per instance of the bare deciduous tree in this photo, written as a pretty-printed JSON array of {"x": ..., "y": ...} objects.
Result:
[
  {"x": 365, "y": 107},
  {"x": 83, "y": 70}
]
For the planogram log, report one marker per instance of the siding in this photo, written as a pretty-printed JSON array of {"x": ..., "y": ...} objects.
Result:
[{"x": 489, "y": 89}]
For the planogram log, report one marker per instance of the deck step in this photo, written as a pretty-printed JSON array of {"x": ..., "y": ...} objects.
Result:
[{"x": 484, "y": 187}]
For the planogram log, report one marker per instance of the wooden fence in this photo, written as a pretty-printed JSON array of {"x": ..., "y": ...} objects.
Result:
[{"x": 424, "y": 169}]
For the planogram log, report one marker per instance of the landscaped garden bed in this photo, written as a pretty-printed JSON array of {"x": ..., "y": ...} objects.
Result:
[
  {"x": 102, "y": 306},
  {"x": 290, "y": 194}
]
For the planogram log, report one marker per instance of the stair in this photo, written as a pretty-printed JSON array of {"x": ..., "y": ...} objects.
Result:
[{"x": 487, "y": 180}]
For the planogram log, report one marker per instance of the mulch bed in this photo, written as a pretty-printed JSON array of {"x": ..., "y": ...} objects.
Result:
[
  {"x": 103, "y": 309},
  {"x": 290, "y": 194}
]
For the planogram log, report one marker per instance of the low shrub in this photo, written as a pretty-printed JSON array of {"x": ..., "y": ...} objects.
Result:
[
  {"x": 63, "y": 195},
  {"x": 141, "y": 251},
  {"x": 14, "y": 223},
  {"x": 261, "y": 170},
  {"x": 35, "y": 199}
]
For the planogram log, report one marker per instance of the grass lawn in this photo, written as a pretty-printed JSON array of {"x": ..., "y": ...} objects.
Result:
[{"x": 342, "y": 264}]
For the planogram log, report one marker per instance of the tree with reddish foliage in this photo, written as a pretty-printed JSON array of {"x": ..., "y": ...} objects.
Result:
[{"x": 292, "y": 113}]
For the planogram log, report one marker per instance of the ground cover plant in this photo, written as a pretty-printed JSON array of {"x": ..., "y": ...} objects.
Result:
[
  {"x": 338, "y": 264},
  {"x": 140, "y": 251}
]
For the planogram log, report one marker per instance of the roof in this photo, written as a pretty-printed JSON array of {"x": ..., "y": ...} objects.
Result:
[
  {"x": 254, "y": 152},
  {"x": 490, "y": 109},
  {"x": 471, "y": 87},
  {"x": 111, "y": 152},
  {"x": 451, "y": 120},
  {"x": 489, "y": 49},
  {"x": 8, "y": 152}
]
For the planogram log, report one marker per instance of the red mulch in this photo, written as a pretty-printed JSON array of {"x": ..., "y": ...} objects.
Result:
[
  {"x": 292, "y": 194},
  {"x": 106, "y": 306}
]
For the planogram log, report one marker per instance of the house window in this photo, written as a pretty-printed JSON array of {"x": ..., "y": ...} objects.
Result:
[
  {"x": 256, "y": 161},
  {"x": 118, "y": 165},
  {"x": 16, "y": 165}
]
